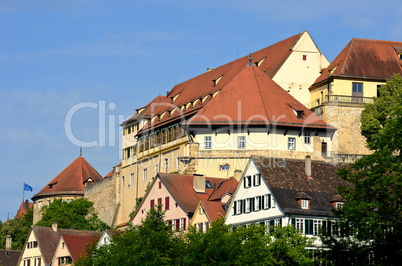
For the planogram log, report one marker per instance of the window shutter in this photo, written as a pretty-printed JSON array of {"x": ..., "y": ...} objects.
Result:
[
  {"x": 185, "y": 224},
  {"x": 159, "y": 204},
  {"x": 243, "y": 206},
  {"x": 235, "y": 207},
  {"x": 167, "y": 203},
  {"x": 152, "y": 203},
  {"x": 309, "y": 223},
  {"x": 261, "y": 202},
  {"x": 177, "y": 225},
  {"x": 324, "y": 228},
  {"x": 293, "y": 221},
  {"x": 280, "y": 221},
  {"x": 252, "y": 204},
  {"x": 269, "y": 201},
  {"x": 170, "y": 222}
]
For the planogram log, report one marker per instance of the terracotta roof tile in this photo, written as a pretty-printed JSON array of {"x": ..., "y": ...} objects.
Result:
[
  {"x": 203, "y": 86},
  {"x": 362, "y": 58},
  {"x": 227, "y": 186},
  {"x": 77, "y": 245},
  {"x": 213, "y": 209},
  {"x": 24, "y": 207},
  {"x": 181, "y": 188},
  {"x": 71, "y": 179},
  {"x": 253, "y": 98},
  {"x": 288, "y": 181}
]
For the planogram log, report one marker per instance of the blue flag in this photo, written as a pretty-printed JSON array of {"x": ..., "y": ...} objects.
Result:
[{"x": 27, "y": 187}]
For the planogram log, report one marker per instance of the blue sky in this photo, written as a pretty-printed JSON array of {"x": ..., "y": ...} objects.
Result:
[{"x": 107, "y": 58}]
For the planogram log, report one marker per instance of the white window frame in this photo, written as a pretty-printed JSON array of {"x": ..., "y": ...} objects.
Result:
[
  {"x": 257, "y": 206},
  {"x": 241, "y": 142},
  {"x": 257, "y": 180},
  {"x": 182, "y": 224},
  {"x": 317, "y": 225},
  {"x": 307, "y": 137},
  {"x": 291, "y": 143},
  {"x": 225, "y": 167},
  {"x": 267, "y": 199},
  {"x": 248, "y": 205},
  {"x": 299, "y": 226},
  {"x": 208, "y": 142},
  {"x": 238, "y": 207},
  {"x": 304, "y": 204},
  {"x": 247, "y": 181},
  {"x": 166, "y": 165}
]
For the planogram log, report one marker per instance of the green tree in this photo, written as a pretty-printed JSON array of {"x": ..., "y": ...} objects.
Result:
[
  {"x": 77, "y": 214},
  {"x": 18, "y": 228},
  {"x": 373, "y": 205}
]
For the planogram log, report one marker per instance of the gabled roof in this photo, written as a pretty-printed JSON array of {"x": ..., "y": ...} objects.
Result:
[
  {"x": 48, "y": 239},
  {"x": 77, "y": 245},
  {"x": 213, "y": 209},
  {"x": 364, "y": 59},
  {"x": 195, "y": 93},
  {"x": 71, "y": 180},
  {"x": 288, "y": 182},
  {"x": 226, "y": 186},
  {"x": 181, "y": 189},
  {"x": 253, "y": 98},
  {"x": 24, "y": 207}
]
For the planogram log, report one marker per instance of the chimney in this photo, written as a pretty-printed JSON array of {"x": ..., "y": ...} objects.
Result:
[
  {"x": 54, "y": 226},
  {"x": 26, "y": 204},
  {"x": 8, "y": 242},
  {"x": 308, "y": 167},
  {"x": 237, "y": 174},
  {"x": 199, "y": 183}
]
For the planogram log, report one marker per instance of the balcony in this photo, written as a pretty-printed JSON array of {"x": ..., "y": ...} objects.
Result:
[{"x": 342, "y": 99}]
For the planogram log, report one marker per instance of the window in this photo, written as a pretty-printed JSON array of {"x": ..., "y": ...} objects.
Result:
[
  {"x": 225, "y": 167},
  {"x": 307, "y": 137},
  {"x": 304, "y": 57},
  {"x": 317, "y": 224},
  {"x": 237, "y": 207},
  {"x": 357, "y": 89},
  {"x": 257, "y": 180},
  {"x": 167, "y": 203},
  {"x": 131, "y": 179},
  {"x": 122, "y": 181},
  {"x": 182, "y": 224},
  {"x": 300, "y": 225},
  {"x": 159, "y": 185},
  {"x": 304, "y": 204},
  {"x": 152, "y": 204},
  {"x": 339, "y": 205},
  {"x": 201, "y": 210},
  {"x": 257, "y": 203},
  {"x": 208, "y": 142},
  {"x": 159, "y": 204},
  {"x": 241, "y": 142},
  {"x": 166, "y": 165},
  {"x": 144, "y": 174},
  {"x": 37, "y": 262},
  {"x": 267, "y": 201},
  {"x": 248, "y": 205},
  {"x": 247, "y": 181},
  {"x": 291, "y": 144}
]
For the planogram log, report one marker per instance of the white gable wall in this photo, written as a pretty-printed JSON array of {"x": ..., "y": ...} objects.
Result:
[{"x": 243, "y": 193}]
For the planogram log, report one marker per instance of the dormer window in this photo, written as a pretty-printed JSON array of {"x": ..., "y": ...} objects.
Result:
[
  {"x": 303, "y": 200},
  {"x": 304, "y": 204},
  {"x": 299, "y": 114},
  {"x": 52, "y": 185}
]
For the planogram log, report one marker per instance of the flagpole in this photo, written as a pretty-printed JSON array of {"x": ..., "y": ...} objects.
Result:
[{"x": 23, "y": 191}]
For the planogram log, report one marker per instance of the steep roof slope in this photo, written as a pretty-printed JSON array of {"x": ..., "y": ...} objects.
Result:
[
  {"x": 181, "y": 189},
  {"x": 287, "y": 179},
  {"x": 368, "y": 59},
  {"x": 213, "y": 209},
  {"x": 71, "y": 179},
  {"x": 227, "y": 186},
  {"x": 9, "y": 257},
  {"x": 48, "y": 239},
  {"x": 77, "y": 245},
  {"x": 254, "y": 98},
  {"x": 201, "y": 88}
]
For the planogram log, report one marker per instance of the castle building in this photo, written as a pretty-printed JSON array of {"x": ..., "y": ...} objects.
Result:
[
  {"x": 68, "y": 185},
  {"x": 213, "y": 123},
  {"x": 347, "y": 85}
]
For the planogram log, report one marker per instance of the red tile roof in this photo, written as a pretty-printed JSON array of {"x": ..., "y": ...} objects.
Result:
[
  {"x": 48, "y": 239},
  {"x": 181, "y": 189},
  {"x": 213, "y": 209},
  {"x": 227, "y": 186},
  {"x": 203, "y": 86},
  {"x": 24, "y": 207},
  {"x": 366, "y": 59},
  {"x": 252, "y": 98},
  {"x": 71, "y": 179},
  {"x": 77, "y": 245}
]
